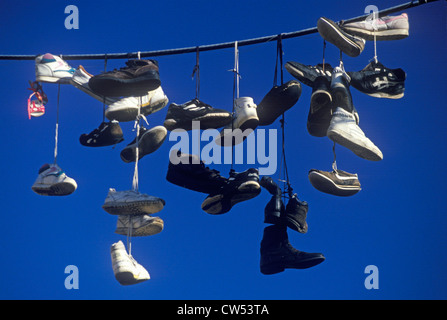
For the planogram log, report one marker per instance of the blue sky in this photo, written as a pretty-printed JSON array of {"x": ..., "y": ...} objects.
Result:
[{"x": 397, "y": 221}]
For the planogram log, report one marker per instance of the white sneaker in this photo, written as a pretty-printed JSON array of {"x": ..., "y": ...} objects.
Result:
[
  {"x": 142, "y": 225},
  {"x": 52, "y": 181},
  {"x": 345, "y": 131},
  {"x": 126, "y": 109},
  {"x": 131, "y": 202},
  {"x": 245, "y": 118},
  {"x": 125, "y": 268},
  {"x": 80, "y": 80},
  {"x": 51, "y": 68}
]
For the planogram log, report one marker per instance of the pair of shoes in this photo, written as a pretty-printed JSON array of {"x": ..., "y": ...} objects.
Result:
[
  {"x": 277, "y": 254},
  {"x": 131, "y": 202},
  {"x": 126, "y": 269},
  {"x": 337, "y": 182},
  {"x": 189, "y": 172},
  {"x": 149, "y": 140},
  {"x": 107, "y": 134},
  {"x": 240, "y": 186},
  {"x": 181, "y": 116},
  {"x": 245, "y": 120},
  {"x": 52, "y": 181},
  {"x": 293, "y": 215}
]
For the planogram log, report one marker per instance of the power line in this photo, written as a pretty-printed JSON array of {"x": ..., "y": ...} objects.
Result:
[{"x": 241, "y": 43}]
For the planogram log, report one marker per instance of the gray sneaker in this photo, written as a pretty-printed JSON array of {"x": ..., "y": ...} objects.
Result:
[
  {"x": 142, "y": 225},
  {"x": 337, "y": 182}
]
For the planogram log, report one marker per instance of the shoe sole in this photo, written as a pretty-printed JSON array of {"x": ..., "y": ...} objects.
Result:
[
  {"x": 66, "y": 80},
  {"x": 333, "y": 34},
  {"x": 324, "y": 184},
  {"x": 127, "y": 278},
  {"x": 134, "y": 208},
  {"x": 148, "y": 143},
  {"x": 392, "y": 34},
  {"x": 208, "y": 121},
  {"x": 273, "y": 268},
  {"x": 58, "y": 189},
  {"x": 150, "y": 229}
]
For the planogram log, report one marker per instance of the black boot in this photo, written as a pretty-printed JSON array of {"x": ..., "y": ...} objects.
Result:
[
  {"x": 274, "y": 210},
  {"x": 277, "y": 254},
  {"x": 296, "y": 213}
]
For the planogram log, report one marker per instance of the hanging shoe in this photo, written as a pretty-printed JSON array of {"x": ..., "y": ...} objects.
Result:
[
  {"x": 277, "y": 101},
  {"x": 36, "y": 107},
  {"x": 126, "y": 109},
  {"x": 308, "y": 74},
  {"x": 337, "y": 182},
  {"x": 51, "y": 68},
  {"x": 181, "y": 116},
  {"x": 320, "y": 111},
  {"x": 240, "y": 186},
  {"x": 107, "y": 134},
  {"x": 277, "y": 254},
  {"x": 126, "y": 269},
  {"x": 384, "y": 28},
  {"x": 52, "y": 181},
  {"x": 274, "y": 210},
  {"x": 141, "y": 225},
  {"x": 378, "y": 81},
  {"x": 331, "y": 32},
  {"x": 131, "y": 202},
  {"x": 149, "y": 140},
  {"x": 136, "y": 79},
  {"x": 296, "y": 213},
  {"x": 191, "y": 173},
  {"x": 245, "y": 120}
]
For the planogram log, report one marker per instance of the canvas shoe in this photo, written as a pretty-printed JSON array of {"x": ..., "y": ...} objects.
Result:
[
  {"x": 277, "y": 101},
  {"x": 245, "y": 120},
  {"x": 331, "y": 32},
  {"x": 384, "y": 28},
  {"x": 126, "y": 269},
  {"x": 320, "y": 111},
  {"x": 141, "y": 225},
  {"x": 126, "y": 109},
  {"x": 149, "y": 140},
  {"x": 240, "y": 186},
  {"x": 378, "y": 81},
  {"x": 337, "y": 182},
  {"x": 131, "y": 202},
  {"x": 188, "y": 171},
  {"x": 136, "y": 79},
  {"x": 181, "y": 116},
  {"x": 107, "y": 134},
  {"x": 307, "y": 74},
  {"x": 345, "y": 131},
  {"x": 51, "y": 68},
  {"x": 52, "y": 181}
]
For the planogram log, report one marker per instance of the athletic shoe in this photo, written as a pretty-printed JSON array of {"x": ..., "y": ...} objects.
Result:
[
  {"x": 384, "y": 28},
  {"x": 136, "y": 79},
  {"x": 36, "y": 107},
  {"x": 141, "y": 225},
  {"x": 148, "y": 141},
  {"x": 320, "y": 111},
  {"x": 277, "y": 254},
  {"x": 181, "y": 116},
  {"x": 80, "y": 80},
  {"x": 131, "y": 202},
  {"x": 51, "y": 68},
  {"x": 378, "y": 81},
  {"x": 277, "y": 101},
  {"x": 125, "y": 268},
  {"x": 331, "y": 32},
  {"x": 337, "y": 182},
  {"x": 107, "y": 134},
  {"x": 345, "y": 131},
  {"x": 52, "y": 181},
  {"x": 239, "y": 187},
  {"x": 341, "y": 95},
  {"x": 307, "y": 74},
  {"x": 296, "y": 213},
  {"x": 245, "y": 120},
  {"x": 126, "y": 109},
  {"x": 188, "y": 171}
]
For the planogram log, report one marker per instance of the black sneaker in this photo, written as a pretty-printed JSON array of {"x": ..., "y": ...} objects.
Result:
[
  {"x": 341, "y": 95},
  {"x": 107, "y": 134},
  {"x": 320, "y": 111},
  {"x": 376, "y": 80},
  {"x": 148, "y": 142},
  {"x": 337, "y": 182},
  {"x": 331, "y": 32},
  {"x": 136, "y": 79},
  {"x": 191, "y": 173},
  {"x": 307, "y": 74},
  {"x": 240, "y": 186},
  {"x": 181, "y": 116},
  {"x": 277, "y": 254},
  {"x": 277, "y": 101}
]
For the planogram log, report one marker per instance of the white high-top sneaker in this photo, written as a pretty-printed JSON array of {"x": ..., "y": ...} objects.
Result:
[
  {"x": 52, "y": 181},
  {"x": 51, "y": 68},
  {"x": 142, "y": 225},
  {"x": 345, "y": 131},
  {"x": 245, "y": 120},
  {"x": 125, "y": 268}
]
